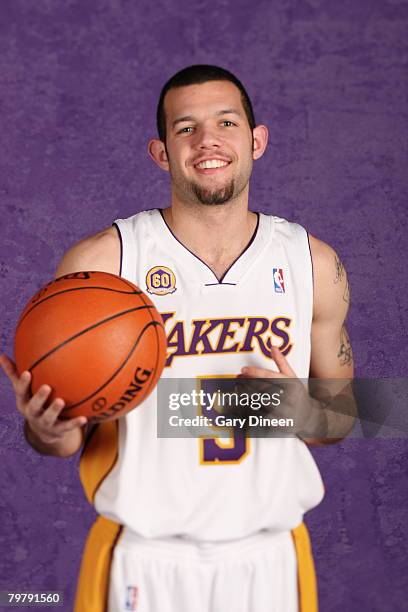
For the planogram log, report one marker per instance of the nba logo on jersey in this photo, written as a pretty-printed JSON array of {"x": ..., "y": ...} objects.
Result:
[
  {"x": 278, "y": 281},
  {"x": 131, "y": 598}
]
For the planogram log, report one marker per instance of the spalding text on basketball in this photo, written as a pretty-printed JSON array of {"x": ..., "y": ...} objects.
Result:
[{"x": 136, "y": 385}]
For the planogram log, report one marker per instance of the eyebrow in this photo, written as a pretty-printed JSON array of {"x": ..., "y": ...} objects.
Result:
[{"x": 227, "y": 111}]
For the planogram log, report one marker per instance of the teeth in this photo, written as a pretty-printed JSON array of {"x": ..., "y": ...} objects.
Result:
[{"x": 212, "y": 163}]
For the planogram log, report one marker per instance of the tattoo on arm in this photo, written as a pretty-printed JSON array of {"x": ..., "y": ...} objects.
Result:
[
  {"x": 345, "y": 353},
  {"x": 346, "y": 294},
  {"x": 339, "y": 269}
]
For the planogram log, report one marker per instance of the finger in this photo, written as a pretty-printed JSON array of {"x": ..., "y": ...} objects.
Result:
[
  {"x": 252, "y": 372},
  {"x": 282, "y": 363},
  {"x": 50, "y": 415},
  {"x": 259, "y": 381},
  {"x": 22, "y": 389},
  {"x": 62, "y": 427},
  {"x": 9, "y": 368},
  {"x": 36, "y": 404}
]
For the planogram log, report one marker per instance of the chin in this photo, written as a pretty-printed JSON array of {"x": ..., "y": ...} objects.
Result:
[{"x": 214, "y": 197}]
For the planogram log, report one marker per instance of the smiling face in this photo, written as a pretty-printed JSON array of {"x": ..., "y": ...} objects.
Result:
[{"x": 209, "y": 144}]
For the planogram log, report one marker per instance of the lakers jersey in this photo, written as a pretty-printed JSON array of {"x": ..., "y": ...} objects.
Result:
[{"x": 202, "y": 488}]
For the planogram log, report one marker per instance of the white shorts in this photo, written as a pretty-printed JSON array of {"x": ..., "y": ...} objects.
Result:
[
  {"x": 266, "y": 572},
  {"x": 254, "y": 574}
]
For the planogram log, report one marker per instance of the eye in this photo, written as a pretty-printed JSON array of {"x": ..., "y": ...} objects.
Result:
[
  {"x": 184, "y": 130},
  {"x": 227, "y": 121}
]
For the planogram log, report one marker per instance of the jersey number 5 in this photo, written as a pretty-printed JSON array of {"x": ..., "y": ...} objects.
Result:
[{"x": 220, "y": 450}]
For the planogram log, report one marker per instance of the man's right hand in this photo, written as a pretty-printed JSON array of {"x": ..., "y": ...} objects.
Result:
[{"x": 45, "y": 432}]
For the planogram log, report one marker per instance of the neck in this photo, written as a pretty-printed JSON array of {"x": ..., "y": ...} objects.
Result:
[{"x": 217, "y": 234}]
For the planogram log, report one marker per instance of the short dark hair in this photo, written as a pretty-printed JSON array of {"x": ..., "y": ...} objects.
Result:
[{"x": 195, "y": 75}]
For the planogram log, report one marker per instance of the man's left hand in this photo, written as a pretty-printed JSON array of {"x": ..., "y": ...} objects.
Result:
[{"x": 296, "y": 403}]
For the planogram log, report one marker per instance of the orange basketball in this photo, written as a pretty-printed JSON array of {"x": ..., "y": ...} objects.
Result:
[{"x": 96, "y": 339}]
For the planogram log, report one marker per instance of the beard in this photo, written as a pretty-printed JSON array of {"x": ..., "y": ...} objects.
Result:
[
  {"x": 212, "y": 197},
  {"x": 217, "y": 195}
]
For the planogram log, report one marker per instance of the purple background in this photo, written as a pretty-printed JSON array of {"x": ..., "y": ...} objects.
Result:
[{"x": 79, "y": 83}]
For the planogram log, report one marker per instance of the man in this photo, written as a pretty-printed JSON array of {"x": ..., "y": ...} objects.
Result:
[{"x": 194, "y": 524}]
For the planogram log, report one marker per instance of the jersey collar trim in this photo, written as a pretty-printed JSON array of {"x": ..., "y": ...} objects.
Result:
[{"x": 238, "y": 267}]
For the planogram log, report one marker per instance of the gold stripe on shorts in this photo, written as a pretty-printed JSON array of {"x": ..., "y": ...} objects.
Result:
[
  {"x": 93, "y": 583},
  {"x": 307, "y": 587}
]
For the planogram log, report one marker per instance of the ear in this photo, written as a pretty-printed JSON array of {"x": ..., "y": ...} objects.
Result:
[
  {"x": 260, "y": 134},
  {"x": 157, "y": 151}
]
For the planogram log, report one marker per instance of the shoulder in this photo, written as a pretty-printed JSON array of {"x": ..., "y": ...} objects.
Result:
[
  {"x": 99, "y": 252},
  {"x": 323, "y": 256},
  {"x": 326, "y": 261},
  {"x": 330, "y": 283}
]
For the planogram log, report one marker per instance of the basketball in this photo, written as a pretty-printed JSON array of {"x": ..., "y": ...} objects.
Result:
[{"x": 96, "y": 339}]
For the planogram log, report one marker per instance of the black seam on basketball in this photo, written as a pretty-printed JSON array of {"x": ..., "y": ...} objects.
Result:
[
  {"x": 78, "y": 289},
  {"x": 84, "y": 331},
  {"x": 128, "y": 283},
  {"x": 72, "y": 406},
  {"x": 142, "y": 297}
]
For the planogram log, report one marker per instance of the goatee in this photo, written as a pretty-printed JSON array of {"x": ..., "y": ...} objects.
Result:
[{"x": 218, "y": 196}]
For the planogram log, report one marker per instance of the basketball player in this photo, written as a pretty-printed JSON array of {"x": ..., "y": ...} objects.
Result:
[{"x": 197, "y": 525}]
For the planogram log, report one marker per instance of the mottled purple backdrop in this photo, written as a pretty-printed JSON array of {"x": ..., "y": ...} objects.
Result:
[{"x": 79, "y": 82}]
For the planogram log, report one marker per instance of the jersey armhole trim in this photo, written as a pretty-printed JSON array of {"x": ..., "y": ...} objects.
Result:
[
  {"x": 121, "y": 247},
  {"x": 311, "y": 263}
]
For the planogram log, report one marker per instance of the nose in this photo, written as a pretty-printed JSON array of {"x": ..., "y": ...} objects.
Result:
[{"x": 207, "y": 138}]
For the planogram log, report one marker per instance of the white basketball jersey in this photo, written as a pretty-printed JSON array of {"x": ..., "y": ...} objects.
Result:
[{"x": 201, "y": 488}]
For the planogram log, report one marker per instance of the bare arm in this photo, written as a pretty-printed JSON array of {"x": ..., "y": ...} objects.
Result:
[
  {"x": 331, "y": 354},
  {"x": 99, "y": 253},
  {"x": 43, "y": 431}
]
